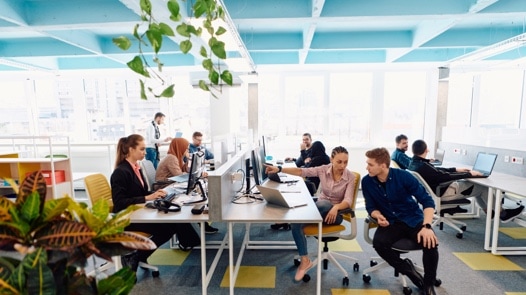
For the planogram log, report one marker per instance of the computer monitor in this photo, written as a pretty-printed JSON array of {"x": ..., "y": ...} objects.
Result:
[
  {"x": 197, "y": 167},
  {"x": 258, "y": 167}
]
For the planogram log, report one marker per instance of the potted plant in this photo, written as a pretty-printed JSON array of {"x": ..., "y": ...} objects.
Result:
[{"x": 54, "y": 240}]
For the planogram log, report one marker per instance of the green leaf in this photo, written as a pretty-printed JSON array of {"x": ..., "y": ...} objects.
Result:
[
  {"x": 101, "y": 209},
  {"x": 155, "y": 37},
  {"x": 137, "y": 66},
  {"x": 54, "y": 208},
  {"x": 191, "y": 29},
  {"x": 226, "y": 76},
  {"x": 168, "y": 92},
  {"x": 199, "y": 8},
  {"x": 218, "y": 48},
  {"x": 173, "y": 7},
  {"x": 213, "y": 75},
  {"x": 202, "y": 85},
  {"x": 207, "y": 64},
  {"x": 119, "y": 283},
  {"x": 146, "y": 6},
  {"x": 143, "y": 92},
  {"x": 185, "y": 46},
  {"x": 220, "y": 31},
  {"x": 182, "y": 30},
  {"x": 136, "y": 32},
  {"x": 64, "y": 235},
  {"x": 203, "y": 52},
  {"x": 31, "y": 208},
  {"x": 166, "y": 30},
  {"x": 122, "y": 42},
  {"x": 41, "y": 280}
]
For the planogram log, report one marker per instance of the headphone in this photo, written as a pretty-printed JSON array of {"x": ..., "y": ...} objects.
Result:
[{"x": 166, "y": 206}]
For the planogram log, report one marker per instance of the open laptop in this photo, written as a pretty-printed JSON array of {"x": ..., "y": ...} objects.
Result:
[
  {"x": 274, "y": 196},
  {"x": 439, "y": 158},
  {"x": 484, "y": 164}
]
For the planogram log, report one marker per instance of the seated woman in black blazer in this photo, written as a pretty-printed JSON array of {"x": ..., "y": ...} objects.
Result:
[{"x": 129, "y": 187}]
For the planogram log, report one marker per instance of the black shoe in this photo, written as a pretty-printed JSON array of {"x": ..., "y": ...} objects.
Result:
[
  {"x": 429, "y": 290},
  {"x": 278, "y": 226},
  {"x": 130, "y": 260},
  {"x": 508, "y": 214},
  {"x": 412, "y": 274},
  {"x": 452, "y": 211},
  {"x": 209, "y": 229}
]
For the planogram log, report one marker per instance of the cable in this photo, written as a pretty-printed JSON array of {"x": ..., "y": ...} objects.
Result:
[{"x": 242, "y": 180}]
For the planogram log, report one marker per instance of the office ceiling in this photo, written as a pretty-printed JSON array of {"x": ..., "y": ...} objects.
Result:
[{"x": 53, "y": 35}]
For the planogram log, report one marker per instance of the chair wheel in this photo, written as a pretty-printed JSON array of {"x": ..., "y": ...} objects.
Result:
[
  {"x": 356, "y": 267},
  {"x": 155, "y": 273},
  {"x": 366, "y": 278},
  {"x": 438, "y": 282},
  {"x": 373, "y": 263},
  {"x": 407, "y": 291},
  {"x": 345, "y": 281},
  {"x": 459, "y": 235},
  {"x": 306, "y": 278},
  {"x": 297, "y": 262},
  {"x": 463, "y": 228}
]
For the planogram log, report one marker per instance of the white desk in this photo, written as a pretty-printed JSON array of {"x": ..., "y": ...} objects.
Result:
[
  {"x": 497, "y": 183},
  {"x": 260, "y": 212},
  {"x": 146, "y": 215}
]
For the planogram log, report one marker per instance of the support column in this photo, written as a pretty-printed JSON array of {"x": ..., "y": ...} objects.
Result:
[{"x": 442, "y": 97}]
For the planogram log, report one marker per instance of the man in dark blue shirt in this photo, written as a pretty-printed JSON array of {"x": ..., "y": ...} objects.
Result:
[
  {"x": 399, "y": 155},
  {"x": 392, "y": 197}
]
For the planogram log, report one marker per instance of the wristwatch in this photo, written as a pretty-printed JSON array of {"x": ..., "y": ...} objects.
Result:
[
  {"x": 427, "y": 225},
  {"x": 279, "y": 169}
]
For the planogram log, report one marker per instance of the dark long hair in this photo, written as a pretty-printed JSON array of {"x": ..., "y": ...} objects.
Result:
[{"x": 124, "y": 145}]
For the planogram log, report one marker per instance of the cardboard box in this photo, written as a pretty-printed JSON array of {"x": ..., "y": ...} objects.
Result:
[{"x": 60, "y": 176}]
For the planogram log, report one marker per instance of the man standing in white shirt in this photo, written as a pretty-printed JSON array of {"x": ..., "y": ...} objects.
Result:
[{"x": 153, "y": 139}]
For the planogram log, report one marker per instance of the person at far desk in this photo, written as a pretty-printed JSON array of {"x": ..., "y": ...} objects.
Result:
[
  {"x": 305, "y": 146},
  {"x": 392, "y": 197},
  {"x": 174, "y": 164},
  {"x": 399, "y": 155},
  {"x": 434, "y": 176},
  {"x": 154, "y": 140},
  {"x": 196, "y": 146},
  {"x": 337, "y": 188},
  {"x": 129, "y": 187}
]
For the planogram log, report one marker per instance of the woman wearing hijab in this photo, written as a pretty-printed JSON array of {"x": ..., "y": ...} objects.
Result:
[{"x": 174, "y": 163}]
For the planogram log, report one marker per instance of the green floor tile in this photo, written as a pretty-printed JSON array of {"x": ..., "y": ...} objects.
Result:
[{"x": 487, "y": 261}]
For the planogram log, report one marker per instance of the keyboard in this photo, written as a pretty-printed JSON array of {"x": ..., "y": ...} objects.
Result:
[{"x": 169, "y": 197}]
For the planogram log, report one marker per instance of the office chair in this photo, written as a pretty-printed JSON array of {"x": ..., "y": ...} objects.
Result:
[
  {"x": 442, "y": 206},
  {"x": 331, "y": 233},
  {"x": 403, "y": 246},
  {"x": 148, "y": 171},
  {"x": 394, "y": 164},
  {"x": 97, "y": 187}
]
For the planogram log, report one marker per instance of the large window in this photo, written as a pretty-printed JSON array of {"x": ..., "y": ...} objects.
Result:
[{"x": 459, "y": 100}]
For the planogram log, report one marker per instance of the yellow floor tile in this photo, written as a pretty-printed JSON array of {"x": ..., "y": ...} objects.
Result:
[
  {"x": 518, "y": 233},
  {"x": 252, "y": 277},
  {"x": 345, "y": 246},
  {"x": 168, "y": 257},
  {"x": 487, "y": 261},
  {"x": 514, "y": 293},
  {"x": 359, "y": 292}
]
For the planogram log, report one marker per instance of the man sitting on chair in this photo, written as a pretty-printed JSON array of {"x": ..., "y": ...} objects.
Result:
[
  {"x": 399, "y": 155},
  {"x": 388, "y": 195}
]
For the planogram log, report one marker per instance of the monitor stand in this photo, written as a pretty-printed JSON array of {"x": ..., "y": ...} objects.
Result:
[{"x": 203, "y": 194}]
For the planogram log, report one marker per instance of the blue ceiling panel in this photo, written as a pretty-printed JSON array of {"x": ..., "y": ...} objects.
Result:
[
  {"x": 472, "y": 37},
  {"x": 506, "y": 6},
  {"x": 108, "y": 47},
  {"x": 40, "y": 47},
  {"x": 280, "y": 41},
  {"x": 88, "y": 63},
  {"x": 278, "y": 58},
  {"x": 433, "y": 55},
  {"x": 510, "y": 55},
  {"x": 342, "y": 40},
  {"x": 349, "y": 56}
]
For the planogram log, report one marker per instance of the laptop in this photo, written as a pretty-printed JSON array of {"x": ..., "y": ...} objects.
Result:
[
  {"x": 439, "y": 158},
  {"x": 180, "y": 178},
  {"x": 281, "y": 178},
  {"x": 274, "y": 196},
  {"x": 484, "y": 164}
]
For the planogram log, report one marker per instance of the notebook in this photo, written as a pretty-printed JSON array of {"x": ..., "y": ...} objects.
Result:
[
  {"x": 439, "y": 158},
  {"x": 280, "y": 177},
  {"x": 274, "y": 196},
  {"x": 484, "y": 164}
]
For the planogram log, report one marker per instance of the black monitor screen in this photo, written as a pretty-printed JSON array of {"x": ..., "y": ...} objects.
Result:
[
  {"x": 196, "y": 170},
  {"x": 258, "y": 167}
]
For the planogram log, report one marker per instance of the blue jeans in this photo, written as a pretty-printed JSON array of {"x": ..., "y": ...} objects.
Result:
[
  {"x": 151, "y": 155},
  {"x": 324, "y": 206}
]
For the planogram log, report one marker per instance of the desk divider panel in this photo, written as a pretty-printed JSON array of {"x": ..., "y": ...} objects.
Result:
[{"x": 221, "y": 189}]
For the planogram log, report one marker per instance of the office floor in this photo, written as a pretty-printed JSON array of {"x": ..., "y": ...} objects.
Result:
[{"x": 464, "y": 268}]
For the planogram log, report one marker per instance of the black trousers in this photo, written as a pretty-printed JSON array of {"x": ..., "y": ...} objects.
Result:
[
  {"x": 163, "y": 232},
  {"x": 385, "y": 237}
]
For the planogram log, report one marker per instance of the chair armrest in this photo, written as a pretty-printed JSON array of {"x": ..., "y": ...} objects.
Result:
[{"x": 368, "y": 224}]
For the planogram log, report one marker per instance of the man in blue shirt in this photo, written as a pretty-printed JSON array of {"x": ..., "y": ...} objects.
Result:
[
  {"x": 392, "y": 197},
  {"x": 196, "y": 145},
  {"x": 399, "y": 155}
]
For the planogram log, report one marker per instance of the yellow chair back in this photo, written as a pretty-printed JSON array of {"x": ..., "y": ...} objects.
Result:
[{"x": 97, "y": 187}]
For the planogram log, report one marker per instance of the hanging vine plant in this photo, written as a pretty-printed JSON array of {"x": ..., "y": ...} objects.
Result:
[{"x": 151, "y": 33}]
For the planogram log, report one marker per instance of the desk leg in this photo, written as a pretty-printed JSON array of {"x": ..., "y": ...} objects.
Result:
[
  {"x": 489, "y": 209},
  {"x": 204, "y": 280},
  {"x": 318, "y": 278},
  {"x": 231, "y": 258},
  {"x": 496, "y": 221}
]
